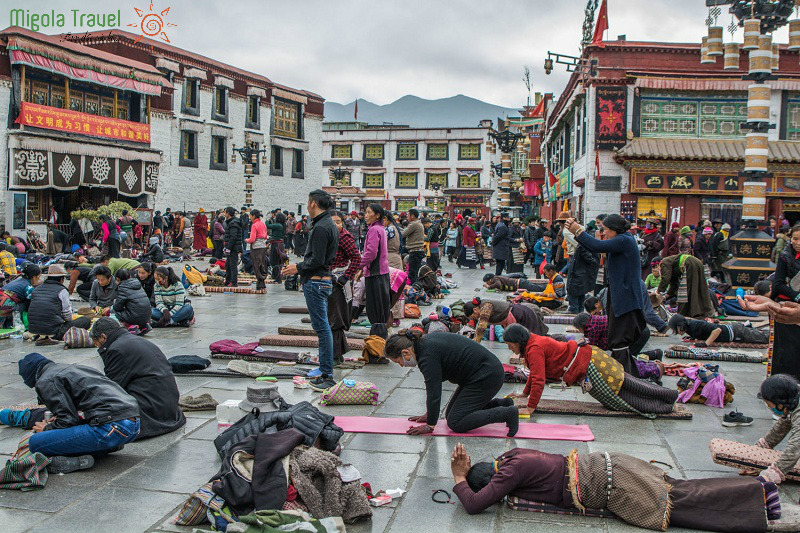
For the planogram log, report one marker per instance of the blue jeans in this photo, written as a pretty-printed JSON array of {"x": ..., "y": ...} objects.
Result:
[
  {"x": 85, "y": 439},
  {"x": 317, "y": 293},
  {"x": 184, "y": 313},
  {"x": 576, "y": 303}
]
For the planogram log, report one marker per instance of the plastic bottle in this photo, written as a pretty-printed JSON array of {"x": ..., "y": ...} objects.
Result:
[
  {"x": 19, "y": 326},
  {"x": 740, "y": 293}
]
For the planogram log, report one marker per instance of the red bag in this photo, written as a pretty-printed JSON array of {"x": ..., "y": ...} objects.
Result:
[{"x": 411, "y": 311}]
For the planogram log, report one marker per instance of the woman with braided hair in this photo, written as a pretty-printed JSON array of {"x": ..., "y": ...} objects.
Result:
[
  {"x": 492, "y": 312},
  {"x": 455, "y": 358}
]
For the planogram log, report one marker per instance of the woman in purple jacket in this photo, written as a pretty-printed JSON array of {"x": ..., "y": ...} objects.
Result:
[{"x": 375, "y": 269}]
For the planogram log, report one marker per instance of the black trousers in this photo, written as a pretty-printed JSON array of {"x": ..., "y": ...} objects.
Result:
[
  {"x": 339, "y": 315},
  {"x": 435, "y": 260},
  {"x": 276, "y": 258},
  {"x": 379, "y": 303},
  {"x": 623, "y": 331},
  {"x": 85, "y": 289},
  {"x": 414, "y": 262},
  {"x": 232, "y": 268},
  {"x": 469, "y": 406},
  {"x": 113, "y": 247},
  {"x": 498, "y": 269},
  {"x": 259, "y": 258},
  {"x": 219, "y": 246},
  {"x": 83, "y": 322}
]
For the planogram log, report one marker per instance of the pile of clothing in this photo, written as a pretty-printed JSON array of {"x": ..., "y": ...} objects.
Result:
[{"x": 705, "y": 385}]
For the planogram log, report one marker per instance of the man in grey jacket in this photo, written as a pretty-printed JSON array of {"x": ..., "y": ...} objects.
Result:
[{"x": 414, "y": 236}]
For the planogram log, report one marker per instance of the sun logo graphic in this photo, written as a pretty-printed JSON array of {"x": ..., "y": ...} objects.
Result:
[{"x": 152, "y": 24}]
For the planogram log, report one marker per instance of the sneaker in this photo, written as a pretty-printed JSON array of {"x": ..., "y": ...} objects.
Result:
[
  {"x": 64, "y": 465},
  {"x": 15, "y": 418},
  {"x": 735, "y": 418},
  {"x": 315, "y": 373},
  {"x": 322, "y": 383}
]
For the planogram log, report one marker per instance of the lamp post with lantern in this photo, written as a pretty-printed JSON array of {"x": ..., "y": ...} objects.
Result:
[
  {"x": 249, "y": 156},
  {"x": 507, "y": 142},
  {"x": 338, "y": 174}
]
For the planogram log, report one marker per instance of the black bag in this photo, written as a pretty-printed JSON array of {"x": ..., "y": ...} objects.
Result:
[
  {"x": 291, "y": 284},
  {"x": 184, "y": 363}
]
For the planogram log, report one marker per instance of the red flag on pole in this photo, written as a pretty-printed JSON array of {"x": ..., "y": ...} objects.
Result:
[
  {"x": 355, "y": 114},
  {"x": 596, "y": 164},
  {"x": 553, "y": 178},
  {"x": 602, "y": 25}
]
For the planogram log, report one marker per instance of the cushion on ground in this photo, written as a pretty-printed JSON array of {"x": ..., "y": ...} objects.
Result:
[{"x": 304, "y": 341}]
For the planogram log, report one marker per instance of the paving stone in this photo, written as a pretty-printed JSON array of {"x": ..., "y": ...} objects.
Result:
[
  {"x": 382, "y": 470},
  {"x": 59, "y": 492},
  {"x": 436, "y": 462},
  {"x": 386, "y": 443},
  {"x": 18, "y": 520},
  {"x": 182, "y": 467},
  {"x": 380, "y": 519},
  {"x": 102, "y": 511}
]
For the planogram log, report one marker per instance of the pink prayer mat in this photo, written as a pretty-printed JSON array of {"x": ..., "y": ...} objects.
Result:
[{"x": 527, "y": 430}]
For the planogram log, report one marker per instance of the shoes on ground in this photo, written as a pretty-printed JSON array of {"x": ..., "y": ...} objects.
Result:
[
  {"x": 315, "y": 373},
  {"x": 64, "y": 465},
  {"x": 735, "y": 418},
  {"x": 322, "y": 383}
]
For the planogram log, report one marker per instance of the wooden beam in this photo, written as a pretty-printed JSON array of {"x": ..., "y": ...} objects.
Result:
[
  {"x": 115, "y": 103},
  {"x": 23, "y": 83},
  {"x": 66, "y": 92}
]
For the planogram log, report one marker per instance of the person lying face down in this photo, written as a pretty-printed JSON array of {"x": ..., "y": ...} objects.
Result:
[
  {"x": 641, "y": 494},
  {"x": 710, "y": 333}
]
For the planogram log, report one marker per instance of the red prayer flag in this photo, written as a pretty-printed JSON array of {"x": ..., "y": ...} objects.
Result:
[
  {"x": 602, "y": 25},
  {"x": 596, "y": 164},
  {"x": 553, "y": 178}
]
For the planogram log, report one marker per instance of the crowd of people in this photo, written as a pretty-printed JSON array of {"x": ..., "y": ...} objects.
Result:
[{"x": 615, "y": 279}]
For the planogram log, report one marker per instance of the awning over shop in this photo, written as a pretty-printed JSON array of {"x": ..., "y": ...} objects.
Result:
[
  {"x": 40, "y": 163},
  {"x": 704, "y": 149},
  {"x": 82, "y": 63}
]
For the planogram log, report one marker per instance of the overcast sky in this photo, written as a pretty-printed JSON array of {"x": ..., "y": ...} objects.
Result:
[{"x": 380, "y": 50}]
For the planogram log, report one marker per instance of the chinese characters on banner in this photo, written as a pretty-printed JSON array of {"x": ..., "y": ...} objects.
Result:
[
  {"x": 611, "y": 118},
  {"x": 54, "y": 118}
]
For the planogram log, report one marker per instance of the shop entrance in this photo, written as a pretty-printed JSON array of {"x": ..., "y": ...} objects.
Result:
[
  {"x": 791, "y": 212},
  {"x": 726, "y": 211}
]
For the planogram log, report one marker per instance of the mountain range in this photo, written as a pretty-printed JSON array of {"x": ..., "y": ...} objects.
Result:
[{"x": 456, "y": 111}]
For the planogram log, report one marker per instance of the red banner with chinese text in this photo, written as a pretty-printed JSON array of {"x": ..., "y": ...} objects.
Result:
[{"x": 54, "y": 118}]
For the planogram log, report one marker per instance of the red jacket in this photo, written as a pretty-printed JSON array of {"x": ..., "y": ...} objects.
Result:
[
  {"x": 546, "y": 359},
  {"x": 468, "y": 237}
]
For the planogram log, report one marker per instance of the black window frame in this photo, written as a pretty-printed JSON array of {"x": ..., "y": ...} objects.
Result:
[
  {"x": 222, "y": 164},
  {"x": 416, "y": 152},
  {"x": 335, "y": 146},
  {"x": 215, "y": 114},
  {"x": 297, "y": 155},
  {"x": 383, "y": 181},
  {"x": 480, "y": 153},
  {"x": 195, "y": 109},
  {"x": 188, "y": 161},
  {"x": 428, "y": 179},
  {"x": 276, "y": 156},
  {"x": 397, "y": 180},
  {"x": 428, "y": 152},
  {"x": 383, "y": 152},
  {"x": 255, "y": 101}
]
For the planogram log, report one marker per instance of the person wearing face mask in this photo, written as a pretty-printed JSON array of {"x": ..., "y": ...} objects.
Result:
[
  {"x": 653, "y": 244},
  {"x": 786, "y": 288},
  {"x": 781, "y": 393},
  {"x": 455, "y": 358}
]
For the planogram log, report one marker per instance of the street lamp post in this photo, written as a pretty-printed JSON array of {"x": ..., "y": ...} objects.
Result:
[
  {"x": 436, "y": 187},
  {"x": 249, "y": 155},
  {"x": 507, "y": 142},
  {"x": 751, "y": 248},
  {"x": 338, "y": 174}
]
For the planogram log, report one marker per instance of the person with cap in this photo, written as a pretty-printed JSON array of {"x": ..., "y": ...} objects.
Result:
[
  {"x": 501, "y": 244},
  {"x": 709, "y": 333},
  {"x": 50, "y": 311},
  {"x": 653, "y": 243},
  {"x": 353, "y": 226},
  {"x": 234, "y": 239},
  {"x": 542, "y": 253},
  {"x": 685, "y": 244},
  {"x": 288, "y": 239},
  {"x": 414, "y": 237},
  {"x": 516, "y": 260},
  {"x": 625, "y": 306},
  {"x": 683, "y": 277},
  {"x": 529, "y": 237},
  {"x": 671, "y": 241},
  {"x": 781, "y": 240},
  {"x": 92, "y": 416},
  {"x": 142, "y": 370},
  {"x": 719, "y": 252},
  {"x": 200, "y": 230},
  {"x": 277, "y": 252},
  {"x": 154, "y": 254},
  {"x": 702, "y": 245}
]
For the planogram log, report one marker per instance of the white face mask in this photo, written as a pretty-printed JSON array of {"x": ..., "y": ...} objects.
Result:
[{"x": 410, "y": 364}]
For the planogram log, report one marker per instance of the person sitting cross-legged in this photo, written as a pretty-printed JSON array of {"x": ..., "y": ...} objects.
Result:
[
  {"x": 172, "y": 308},
  {"x": 140, "y": 367},
  {"x": 132, "y": 306},
  {"x": 555, "y": 292},
  {"x": 50, "y": 312},
  {"x": 91, "y": 415}
]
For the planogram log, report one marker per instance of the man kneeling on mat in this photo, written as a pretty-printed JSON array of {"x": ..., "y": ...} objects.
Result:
[
  {"x": 91, "y": 415},
  {"x": 710, "y": 333},
  {"x": 459, "y": 360},
  {"x": 636, "y": 491}
]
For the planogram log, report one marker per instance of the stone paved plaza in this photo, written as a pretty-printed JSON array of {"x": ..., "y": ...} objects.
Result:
[{"x": 141, "y": 488}]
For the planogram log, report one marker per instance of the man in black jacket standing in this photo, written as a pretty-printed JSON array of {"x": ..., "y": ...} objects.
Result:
[
  {"x": 501, "y": 244},
  {"x": 234, "y": 237},
  {"x": 140, "y": 367},
  {"x": 91, "y": 415},
  {"x": 316, "y": 278}
]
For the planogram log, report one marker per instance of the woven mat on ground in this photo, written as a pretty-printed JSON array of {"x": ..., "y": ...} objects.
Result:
[
  {"x": 265, "y": 356},
  {"x": 558, "y": 319},
  {"x": 304, "y": 341},
  {"x": 705, "y": 354},
  {"x": 223, "y": 372},
  {"x": 518, "y": 504},
  {"x": 747, "y": 345},
  {"x": 239, "y": 290},
  {"x": 573, "y": 407},
  {"x": 21, "y": 406},
  {"x": 287, "y": 309},
  {"x": 738, "y": 455},
  {"x": 306, "y": 332}
]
